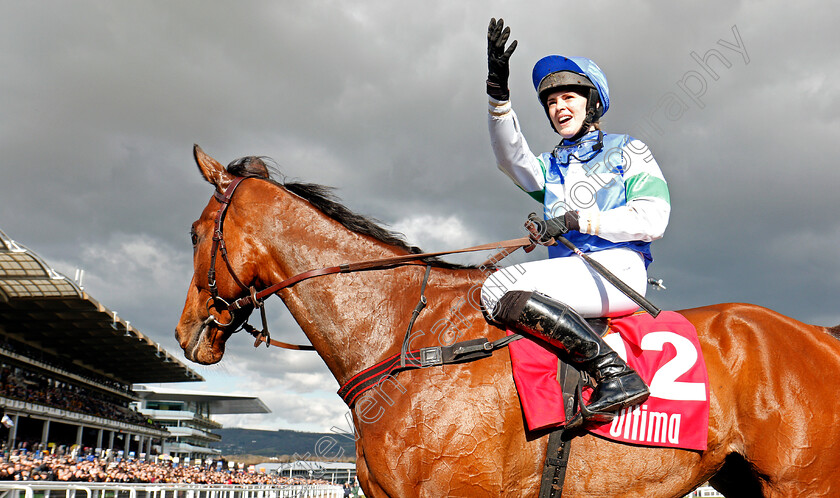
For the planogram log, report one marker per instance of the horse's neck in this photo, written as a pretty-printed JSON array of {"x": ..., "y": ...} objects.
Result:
[{"x": 351, "y": 318}]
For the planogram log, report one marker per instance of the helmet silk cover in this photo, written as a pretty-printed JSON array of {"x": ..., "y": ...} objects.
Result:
[{"x": 581, "y": 65}]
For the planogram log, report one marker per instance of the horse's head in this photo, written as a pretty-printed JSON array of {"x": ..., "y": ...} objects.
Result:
[
  {"x": 219, "y": 277},
  {"x": 255, "y": 235}
]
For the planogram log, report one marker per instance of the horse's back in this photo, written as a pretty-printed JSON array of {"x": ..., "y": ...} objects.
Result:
[
  {"x": 736, "y": 335},
  {"x": 774, "y": 395}
]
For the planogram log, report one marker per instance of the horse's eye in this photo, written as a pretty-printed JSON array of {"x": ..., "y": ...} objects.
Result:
[{"x": 194, "y": 237}]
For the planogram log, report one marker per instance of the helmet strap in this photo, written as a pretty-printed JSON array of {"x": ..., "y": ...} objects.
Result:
[{"x": 591, "y": 114}]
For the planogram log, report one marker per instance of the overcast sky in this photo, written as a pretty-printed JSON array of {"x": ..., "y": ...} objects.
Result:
[{"x": 101, "y": 102}]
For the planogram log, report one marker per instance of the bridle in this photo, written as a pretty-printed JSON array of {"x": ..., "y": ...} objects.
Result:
[
  {"x": 256, "y": 299},
  {"x": 220, "y": 247},
  {"x": 219, "y": 303}
]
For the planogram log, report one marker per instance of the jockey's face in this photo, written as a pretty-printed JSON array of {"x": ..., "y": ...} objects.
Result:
[{"x": 567, "y": 110}]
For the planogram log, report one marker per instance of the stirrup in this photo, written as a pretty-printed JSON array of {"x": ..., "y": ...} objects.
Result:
[{"x": 585, "y": 415}]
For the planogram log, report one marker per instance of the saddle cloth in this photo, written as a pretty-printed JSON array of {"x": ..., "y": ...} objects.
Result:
[{"x": 666, "y": 353}]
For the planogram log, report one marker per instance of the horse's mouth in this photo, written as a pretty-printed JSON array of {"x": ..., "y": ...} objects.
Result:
[{"x": 207, "y": 344}]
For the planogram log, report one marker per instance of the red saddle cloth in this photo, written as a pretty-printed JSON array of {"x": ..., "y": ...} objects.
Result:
[{"x": 663, "y": 350}]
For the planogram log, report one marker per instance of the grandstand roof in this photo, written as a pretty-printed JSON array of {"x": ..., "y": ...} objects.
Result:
[
  {"x": 218, "y": 403},
  {"x": 48, "y": 311}
]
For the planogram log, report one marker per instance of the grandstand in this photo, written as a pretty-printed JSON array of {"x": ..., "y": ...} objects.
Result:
[
  {"x": 334, "y": 472},
  {"x": 67, "y": 364},
  {"x": 187, "y": 417}
]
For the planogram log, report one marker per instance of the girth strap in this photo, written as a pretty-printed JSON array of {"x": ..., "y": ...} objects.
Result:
[
  {"x": 460, "y": 352},
  {"x": 560, "y": 440}
]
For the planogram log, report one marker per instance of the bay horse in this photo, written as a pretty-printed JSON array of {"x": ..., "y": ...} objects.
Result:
[{"x": 458, "y": 430}]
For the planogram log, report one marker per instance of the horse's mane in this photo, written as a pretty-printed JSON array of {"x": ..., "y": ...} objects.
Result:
[
  {"x": 835, "y": 331},
  {"x": 322, "y": 198}
]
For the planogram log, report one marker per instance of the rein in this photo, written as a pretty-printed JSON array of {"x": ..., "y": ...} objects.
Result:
[{"x": 256, "y": 299}]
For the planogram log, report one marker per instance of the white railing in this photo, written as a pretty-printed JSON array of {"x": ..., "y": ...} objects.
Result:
[
  {"x": 118, "y": 490},
  {"x": 704, "y": 492},
  {"x": 44, "y": 489}
]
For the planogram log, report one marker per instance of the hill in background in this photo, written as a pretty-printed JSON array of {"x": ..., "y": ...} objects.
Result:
[{"x": 307, "y": 445}]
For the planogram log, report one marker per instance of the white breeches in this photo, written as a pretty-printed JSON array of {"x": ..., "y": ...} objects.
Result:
[{"x": 571, "y": 281}]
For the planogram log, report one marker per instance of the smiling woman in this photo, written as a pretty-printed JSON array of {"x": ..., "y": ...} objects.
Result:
[{"x": 566, "y": 110}]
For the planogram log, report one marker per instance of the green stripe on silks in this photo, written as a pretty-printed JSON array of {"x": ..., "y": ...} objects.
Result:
[
  {"x": 646, "y": 185},
  {"x": 538, "y": 196}
]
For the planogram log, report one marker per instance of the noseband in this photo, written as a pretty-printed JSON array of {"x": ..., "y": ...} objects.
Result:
[{"x": 256, "y": 299}]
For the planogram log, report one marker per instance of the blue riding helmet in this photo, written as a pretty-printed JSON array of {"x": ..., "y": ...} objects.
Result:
[{"x": 554, "y": 71}]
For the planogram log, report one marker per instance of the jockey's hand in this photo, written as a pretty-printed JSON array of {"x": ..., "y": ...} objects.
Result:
[
  {"x": 544, "y": 231},
  {"x": 498, "y": 59}
]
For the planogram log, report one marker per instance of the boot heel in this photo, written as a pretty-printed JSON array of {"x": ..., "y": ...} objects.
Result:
[{"x": 584, "y": 416}]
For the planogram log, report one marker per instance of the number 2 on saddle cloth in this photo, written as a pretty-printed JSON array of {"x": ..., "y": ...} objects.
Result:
[{"x": 666, "y": 353}]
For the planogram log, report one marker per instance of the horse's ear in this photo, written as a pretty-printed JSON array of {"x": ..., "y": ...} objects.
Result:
[{"x": 211, "y": 169}]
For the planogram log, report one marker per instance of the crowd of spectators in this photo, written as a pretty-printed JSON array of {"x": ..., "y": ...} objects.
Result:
[
  {"x": 28, "y": 466},
  {"x": 25, "y": 465},
  {"x": 68, "y": 366},
  {"x": 17, "y": 383}
]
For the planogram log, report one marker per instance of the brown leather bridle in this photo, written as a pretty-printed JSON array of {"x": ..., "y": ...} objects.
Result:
[
  {"x": 219, "y": 246},
  {"x": 256, "y": 299}
]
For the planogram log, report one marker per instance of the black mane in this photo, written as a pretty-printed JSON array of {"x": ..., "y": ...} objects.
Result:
[{"x": 323, "y": 199}]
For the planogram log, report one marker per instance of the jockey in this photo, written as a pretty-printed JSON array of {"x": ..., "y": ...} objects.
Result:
[{"x": 603, "y": 192}]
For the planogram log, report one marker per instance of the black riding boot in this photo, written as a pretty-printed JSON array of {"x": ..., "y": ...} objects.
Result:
[{"x": 618, "y": 385}]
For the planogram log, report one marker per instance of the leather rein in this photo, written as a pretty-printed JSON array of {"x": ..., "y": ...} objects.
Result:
[{"x": 256, "y": 299}]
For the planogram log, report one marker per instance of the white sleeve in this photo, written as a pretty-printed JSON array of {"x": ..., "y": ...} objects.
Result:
[
  {"x": 513, "y": 156},
  {"x": 648, "y": 209},
  {"x": 641, "y": 219}
]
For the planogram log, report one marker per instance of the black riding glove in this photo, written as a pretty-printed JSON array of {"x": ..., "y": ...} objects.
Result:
[
  {"x": 498, "y": 59},
  {"x": 544, "y": 231}
]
